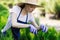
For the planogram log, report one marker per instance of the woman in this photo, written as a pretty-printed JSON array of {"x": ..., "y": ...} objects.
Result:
[{"x": 21, "y": 15}]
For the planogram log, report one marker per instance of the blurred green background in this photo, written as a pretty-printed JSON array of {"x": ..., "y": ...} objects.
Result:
[{"x": 52, "y": 6}]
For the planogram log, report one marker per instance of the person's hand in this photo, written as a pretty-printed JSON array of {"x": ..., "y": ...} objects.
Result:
[
  {"x": 33, "y": 29},
  {"x": 43, "y": 28}
]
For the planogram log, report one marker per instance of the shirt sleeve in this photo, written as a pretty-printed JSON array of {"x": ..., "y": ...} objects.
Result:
[{"x": 16, "y": 9}]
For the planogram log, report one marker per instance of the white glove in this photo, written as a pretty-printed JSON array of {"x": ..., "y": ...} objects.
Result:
[
  {"x": 33, "y": 29},
  {"x": 44, "y": 28}
]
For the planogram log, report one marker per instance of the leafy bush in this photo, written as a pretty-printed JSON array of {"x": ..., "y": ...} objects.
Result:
[{"x": 3, "y": 15}]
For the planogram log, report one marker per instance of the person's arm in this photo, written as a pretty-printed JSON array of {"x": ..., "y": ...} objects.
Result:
[
  {"x": 32, "y": 20},
  {"x": 35, "y": 24},
  {"x": 16, "y": 24}
]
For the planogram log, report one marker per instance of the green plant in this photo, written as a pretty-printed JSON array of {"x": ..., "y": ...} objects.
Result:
[{"x": 3, "y": 15}]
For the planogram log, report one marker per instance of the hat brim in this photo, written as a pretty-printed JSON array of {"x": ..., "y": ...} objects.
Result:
[{"x": 31, "y": 4}]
